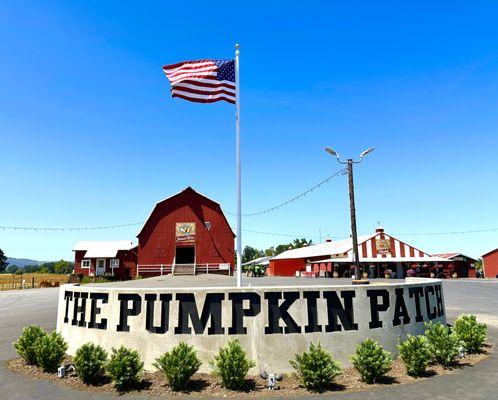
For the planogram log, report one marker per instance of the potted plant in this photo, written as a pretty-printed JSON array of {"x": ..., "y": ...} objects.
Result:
[{"x": 387, "y": 273}]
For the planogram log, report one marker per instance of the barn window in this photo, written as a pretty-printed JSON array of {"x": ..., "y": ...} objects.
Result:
[
  {"x": 114, "y": 263},
  {"x": 208, "y": 225},
  {"x": 86, "y": 263}
]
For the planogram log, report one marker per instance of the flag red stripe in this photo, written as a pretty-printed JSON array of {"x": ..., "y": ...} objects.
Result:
[
  {"x": 202, "y": 68},
  {"x": 179, "y": 64},
  {"x": 204, "y": 85},
  {"x": 200, "y": 91},
  {"x": 207, "y": 84},
  {"x": 197, "y": 100}
]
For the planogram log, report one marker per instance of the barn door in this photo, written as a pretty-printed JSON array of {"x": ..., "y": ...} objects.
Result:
[{"x": 185, "y": 255}]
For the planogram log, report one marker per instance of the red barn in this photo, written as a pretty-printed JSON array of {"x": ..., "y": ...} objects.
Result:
[
  {"x": 378, "y": 252},
  {"x": 116, "y": 258},
  {"x": 188, "y": 233},
  {"x": 490, "y": 264}
]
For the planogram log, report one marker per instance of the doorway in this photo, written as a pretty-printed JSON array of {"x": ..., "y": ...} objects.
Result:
[
  {"x": 185, "y": 255},
  {"x": 100, "y": 266}
]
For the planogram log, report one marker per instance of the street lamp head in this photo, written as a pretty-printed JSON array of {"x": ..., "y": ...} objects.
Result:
[
  {"x": 368, "y": 151},
  {"x": 331, "y": 152}
]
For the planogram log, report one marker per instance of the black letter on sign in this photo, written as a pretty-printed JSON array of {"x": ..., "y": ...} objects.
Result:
[
  {"x": 150, "y": 299},
  {"x": 211, "y": 310},
  {"x": 94, "y": 310},
  {"x": 125, "y": 311},
  {"x": 418, "y": 292},
  {"x": 400, "y": 309},
  {"x": 313, "y": 325},
  {"x": 276, "y": 312},
  {"x": 79, "y": 309},
  {"x": 433, "y": 314},
  {"x": 336, "y": 311},
  {"x": 375, "y": 307},
  {"x": 68, "y": 296},
  {"x": 439, "y": 298},
  {"x": 239, "y": 312}
]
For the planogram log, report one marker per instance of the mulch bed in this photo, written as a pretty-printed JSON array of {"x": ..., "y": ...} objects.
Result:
[{"x": 205, "y": 385}]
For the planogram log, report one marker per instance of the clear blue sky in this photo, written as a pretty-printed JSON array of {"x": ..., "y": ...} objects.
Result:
[{"x": 90, "y": 136}]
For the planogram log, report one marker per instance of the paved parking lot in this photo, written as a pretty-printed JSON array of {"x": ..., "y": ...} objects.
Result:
[{"x": 39, "y": 306}]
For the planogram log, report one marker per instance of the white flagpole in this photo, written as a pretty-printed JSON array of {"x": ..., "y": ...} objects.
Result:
[{"x": 237, "y": 157}]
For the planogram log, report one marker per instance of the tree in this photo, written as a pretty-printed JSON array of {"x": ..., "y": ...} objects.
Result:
[
  {"x": 63, "y": 267},
  {"x": 295, "y": 244},
  {"x": 250, "y": 253},
  {"x": 11, "y": 269},
  {"x": 47, "y": 268},
  {"x": 3, "y": 261},
  {"x": 270, "y": 252}
]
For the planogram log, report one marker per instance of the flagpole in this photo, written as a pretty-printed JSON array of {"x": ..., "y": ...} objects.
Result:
[{"x": 237, "y": 158}]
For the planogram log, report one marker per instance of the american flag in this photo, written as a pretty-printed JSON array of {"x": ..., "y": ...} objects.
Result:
[{"x": 203, "y": 81}]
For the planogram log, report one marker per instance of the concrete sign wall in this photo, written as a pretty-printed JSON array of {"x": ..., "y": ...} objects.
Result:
[{"x": 272, "y": 323}]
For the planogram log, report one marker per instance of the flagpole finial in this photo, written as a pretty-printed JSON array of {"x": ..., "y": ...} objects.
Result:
[{"x": 237, "y": 46}]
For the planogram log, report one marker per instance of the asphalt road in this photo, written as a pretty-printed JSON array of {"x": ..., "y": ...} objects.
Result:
[{"x": 39, "y": 306}]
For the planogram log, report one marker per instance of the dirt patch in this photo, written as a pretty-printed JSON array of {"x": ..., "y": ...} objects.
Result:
[{"x": 205, "y": 385}]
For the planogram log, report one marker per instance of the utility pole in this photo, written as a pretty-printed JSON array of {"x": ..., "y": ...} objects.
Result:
[
  {"x": 352, "y": 209},
  {"x": 354, "y": 235}
]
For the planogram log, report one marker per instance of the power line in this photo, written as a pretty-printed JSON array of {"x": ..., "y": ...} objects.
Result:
[
  {"x": 292, "y": 200},
  {"x": 62, "y": 229},
  {"x": 448, "y": 233}
]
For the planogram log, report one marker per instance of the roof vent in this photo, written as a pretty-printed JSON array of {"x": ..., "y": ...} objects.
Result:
[
  {"x": 379, "y": 229},
  {"x": 328, "y": 240}
]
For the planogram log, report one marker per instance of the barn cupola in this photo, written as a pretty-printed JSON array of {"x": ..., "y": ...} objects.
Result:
[{"x": 379, "y": 229}]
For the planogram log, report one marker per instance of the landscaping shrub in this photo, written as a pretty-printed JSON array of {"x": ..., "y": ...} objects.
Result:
[
  {"x": 178, "y": 365},
  {"x": 231, "y": 365},
  {"x": 414, "y": 352},
  {"x": 25, "y": 345},
  {"x": 125, "y": 367},
  {"x": 50, "y": 351},
  {"x": 371, "y": 360},
  {"x": 444, "y": 345},
  {"x": 89, "y": 362},
  {"x": 315, "y": 368},
  {"x": 470, "y": 332}
]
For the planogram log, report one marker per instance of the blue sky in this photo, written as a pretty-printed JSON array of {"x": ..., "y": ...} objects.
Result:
[{"x": 90, "y": 136}]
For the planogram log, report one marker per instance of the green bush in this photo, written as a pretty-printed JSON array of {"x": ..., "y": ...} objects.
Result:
[
  {"x": 231, "y": 365},
  {"x": 371, "y": 360},
  {"x": 125, "y": 367},
  {"x": 89, "y": 362},
  {"x": 444, "y": 345},
  {"x": 178, "y": 365},
  {"x": 50, "y": 351},
  {"x": 470, "y": 332},
  {"x": 414, "y": 352},
  {"x": 315, "y": 368},
  {"x": 25, "y": 345}
]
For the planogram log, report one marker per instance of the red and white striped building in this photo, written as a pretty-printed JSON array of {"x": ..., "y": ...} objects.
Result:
[{"x": 377, "y": 251}]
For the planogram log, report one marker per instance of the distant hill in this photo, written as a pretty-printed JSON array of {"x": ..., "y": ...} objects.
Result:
[{"x": 22, "y": 262}]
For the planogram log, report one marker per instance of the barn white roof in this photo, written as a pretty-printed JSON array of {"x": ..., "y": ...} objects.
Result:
[
  {"x": 325, "y": 249},
  {"x": 341, "y": 251},
  {"x": 103, "y": 248}
]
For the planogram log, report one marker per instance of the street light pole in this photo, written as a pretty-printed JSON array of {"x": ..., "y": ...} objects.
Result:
[{"x": 352, "y": 208}]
